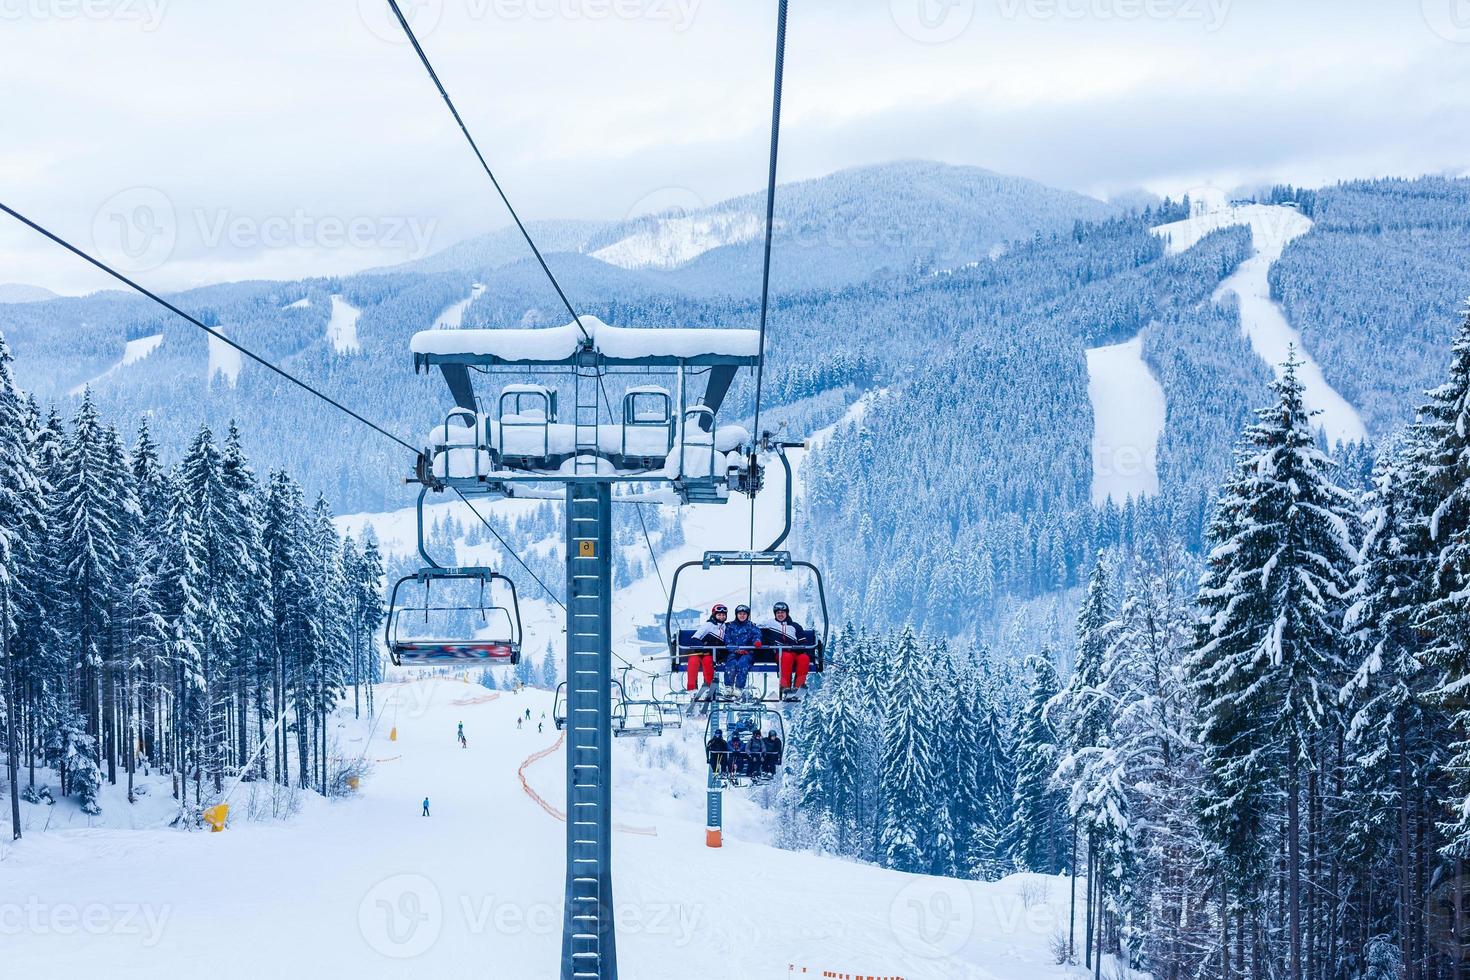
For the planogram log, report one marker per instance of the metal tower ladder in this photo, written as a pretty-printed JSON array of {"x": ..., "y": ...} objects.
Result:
[
  {"x": 589, "y": 947},
  {"x": 585, "y": 412}
]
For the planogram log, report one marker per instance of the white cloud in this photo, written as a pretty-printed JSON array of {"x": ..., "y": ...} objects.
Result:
[{"x": 279, "y": 112}]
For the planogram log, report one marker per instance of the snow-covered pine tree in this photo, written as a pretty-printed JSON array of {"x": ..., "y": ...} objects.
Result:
[
  {"x": 83, "y": 510},
  {"x": 1083, "y": 716},
  {"x": 241, "y": 529},
  {"x": 1443, "y": 472},
  {"x": 908, "y": 761},
  {"x": 22, "y": 537},
  {"x": 1039, "y": 830},
  {"x": 1395, "y": 733},
  {"x": 1268, "y": 657}
]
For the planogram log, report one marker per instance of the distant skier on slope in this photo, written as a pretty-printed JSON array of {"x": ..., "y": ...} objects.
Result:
[
  {"x": 426, "y": 806},
  {"x": 784, "y": 633},
  {"x": 462, "y": 743},
  {"x": 742, "y": 639}
]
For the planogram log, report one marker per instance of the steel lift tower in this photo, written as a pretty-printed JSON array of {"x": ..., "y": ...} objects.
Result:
[{"x": 524, "y": 448}]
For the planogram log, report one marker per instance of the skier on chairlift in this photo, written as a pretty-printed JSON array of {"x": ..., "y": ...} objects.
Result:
[
  {"x": 717, "y": 752},
  {"x": 755, "y": 756},
  {"x": 738, "y": 761},
  {"x": 795, "y": 657},
  {"x": 773, "y": 753},
  {"x": 708, "y": 639},
  {"x": 742, "y": 639}
]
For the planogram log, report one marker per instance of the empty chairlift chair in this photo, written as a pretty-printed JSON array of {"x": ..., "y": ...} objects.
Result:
[
  {"x": 647, "y": 432},
  {"x": 457, "y": 449},
  {"x": 448, "y": 617},
  {"x": 528, "y": 432}
]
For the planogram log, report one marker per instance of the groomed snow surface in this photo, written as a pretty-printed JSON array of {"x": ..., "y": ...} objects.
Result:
[
  {"x": 224, "y": 360},
  {"x": 670, "y": 242},
  {"x": 133, "y": 352},
  {"x": 453, "y": 316},
  {"x": 342, "y": 327},
  {"x": 367, "y": 887},
  {"x": 1128, "y": 419},
  {"x": 1272, "y": 227}
]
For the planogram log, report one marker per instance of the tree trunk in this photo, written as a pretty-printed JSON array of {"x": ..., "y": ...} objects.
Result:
[
  {"x": 1293, "y": 865},
  {"x": 1072, "y": 915},
  {"x": 12, "y": 719}
]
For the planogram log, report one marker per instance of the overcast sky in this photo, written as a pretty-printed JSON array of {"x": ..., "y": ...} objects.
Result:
[{"x": 201, "y": 140}]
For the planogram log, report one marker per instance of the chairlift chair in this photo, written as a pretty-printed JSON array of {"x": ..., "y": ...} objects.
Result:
[
  {"x": 745, "y": 719},
  {"x": 456, "y": 631}
]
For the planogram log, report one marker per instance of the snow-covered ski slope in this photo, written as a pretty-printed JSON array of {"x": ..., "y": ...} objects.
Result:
[
  {"x": 1273, "y": 227},
  {"x": 453, "y": 316},
  {"x": 1127, "y": 420},
  {"x": 342, "y": 326},
  {"x": 133, "y": 352},
  {"x": 670, "y": 241},
  {"x": 367, "y": 887}
]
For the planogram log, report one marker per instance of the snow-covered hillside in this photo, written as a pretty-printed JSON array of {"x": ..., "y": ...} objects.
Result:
[
  {"x": 134, "y": 352},
  {"x": 669, "y": 241},
  {"x": 224, "y": 360},
  {"x": 1273, "y": 227},
  {"x": 367, "y": 887},
  {"x": 453, "y": 317},
  {"x": 342, "y": 327},
  {"x": 1127, "y": 419}
]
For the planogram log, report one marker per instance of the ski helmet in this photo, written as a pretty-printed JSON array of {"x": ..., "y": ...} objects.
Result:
[
  {"x": 781, "y": 607},
  {"x": 742, "y": 609},
  {"x": 719, "y": 608}
]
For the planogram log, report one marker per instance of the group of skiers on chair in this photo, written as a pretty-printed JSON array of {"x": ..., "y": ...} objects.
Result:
[
  {"x": 736, "y": 642},
  {"x": 746, "y": 754}
]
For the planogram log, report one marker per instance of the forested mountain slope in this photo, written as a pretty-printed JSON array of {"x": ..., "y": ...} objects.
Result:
[{"x": 971, "y": 475}]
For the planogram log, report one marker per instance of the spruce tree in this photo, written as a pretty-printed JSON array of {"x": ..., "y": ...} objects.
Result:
[
  {"x": 1268, "y": 661},
  {"x": 1039, "y": 830},
  {"x": 908, "y": 761}
]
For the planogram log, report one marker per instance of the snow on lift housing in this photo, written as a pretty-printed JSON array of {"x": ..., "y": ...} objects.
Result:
[
  {"x": 766, "y": 659},
  {"x": 661, "y": 436}
]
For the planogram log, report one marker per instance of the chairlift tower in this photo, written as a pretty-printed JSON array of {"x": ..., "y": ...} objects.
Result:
[{"x": 663, "y": 439}]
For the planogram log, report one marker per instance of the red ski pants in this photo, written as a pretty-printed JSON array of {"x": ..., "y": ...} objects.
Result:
[
  {"x": 794, "y": 662},
  {"x": 698, "y": 662}
]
